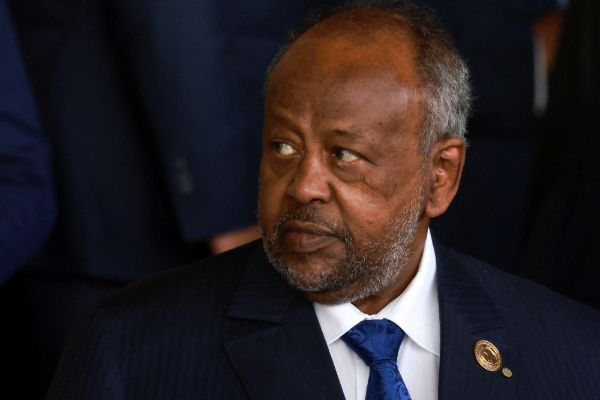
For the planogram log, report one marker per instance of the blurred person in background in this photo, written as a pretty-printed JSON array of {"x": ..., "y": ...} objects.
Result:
[
  {"x": 27, "y": 202},
  {"x": 562, "y": 250},
  {"x": 507, "y": 58},
  {"x": 27, "y": 205}
]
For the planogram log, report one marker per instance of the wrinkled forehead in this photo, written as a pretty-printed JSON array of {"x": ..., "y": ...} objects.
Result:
[
  {"x": 354, "y": 46},
  {"x": 339, "y": 68}
]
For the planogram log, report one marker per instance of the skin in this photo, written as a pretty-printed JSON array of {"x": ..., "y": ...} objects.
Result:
[
  {"x": 343, "y": 113},
  {"x": 232, "y": 239}
]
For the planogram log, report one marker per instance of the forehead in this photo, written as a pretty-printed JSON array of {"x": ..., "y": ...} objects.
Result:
[
  {"x": 347, "y": 73},
  {"x": 354, "y": 44},
  {"x": 346, "y": 60}
]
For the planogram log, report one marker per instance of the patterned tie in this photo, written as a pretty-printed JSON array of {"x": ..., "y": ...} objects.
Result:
[{"x": 377, "y": 343}]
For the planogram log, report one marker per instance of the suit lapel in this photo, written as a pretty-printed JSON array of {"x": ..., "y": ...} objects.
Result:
[
  {"x": 288, "y": 359},
  {"x": 467, "y": 315}
]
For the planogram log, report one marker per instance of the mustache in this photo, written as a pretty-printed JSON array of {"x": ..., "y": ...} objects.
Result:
[{"x": 313, "y": 215}]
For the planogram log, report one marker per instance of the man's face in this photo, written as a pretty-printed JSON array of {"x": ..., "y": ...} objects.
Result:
[{"x": 341, "y": 182}]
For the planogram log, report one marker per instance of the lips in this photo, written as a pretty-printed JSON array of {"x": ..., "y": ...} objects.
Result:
[{"x": 305, "y": 237}]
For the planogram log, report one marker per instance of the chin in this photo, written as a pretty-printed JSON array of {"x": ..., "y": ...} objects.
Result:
[
  {"x": 309, "y": 268},
  {"x": 330, "y": 280},
  {"x": 328, "y": 297},
  {"x": 348, "y": 294},
  {"x": 326, "y": 285}
]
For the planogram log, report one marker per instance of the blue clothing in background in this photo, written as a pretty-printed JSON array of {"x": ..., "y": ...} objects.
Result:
[{"x": 27, "y": 207}]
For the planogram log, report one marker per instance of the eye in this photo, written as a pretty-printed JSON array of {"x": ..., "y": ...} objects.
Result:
[
  {"x": 283, "y": 148},
  {"x": 345, "y": 155}
]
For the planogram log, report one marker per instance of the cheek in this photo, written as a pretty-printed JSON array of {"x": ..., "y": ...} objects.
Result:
[
  {"x": 364, "y": 211},
  {"x": 368, "y": 208}
]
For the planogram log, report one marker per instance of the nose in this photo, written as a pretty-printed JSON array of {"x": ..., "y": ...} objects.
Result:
[{"x": 311, "y": 181}]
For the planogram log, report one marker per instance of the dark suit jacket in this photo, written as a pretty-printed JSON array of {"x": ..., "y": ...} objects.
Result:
[{"x": 231, "y": 328}]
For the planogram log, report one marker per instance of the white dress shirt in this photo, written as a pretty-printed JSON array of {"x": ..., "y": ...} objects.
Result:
[{"x": 416, "y": 312}]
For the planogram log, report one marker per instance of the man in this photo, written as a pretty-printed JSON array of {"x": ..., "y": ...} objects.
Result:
[{"x": 363, "y": 143}]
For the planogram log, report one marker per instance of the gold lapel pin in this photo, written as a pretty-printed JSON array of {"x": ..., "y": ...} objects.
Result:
[{"x": 488, "y": 355}]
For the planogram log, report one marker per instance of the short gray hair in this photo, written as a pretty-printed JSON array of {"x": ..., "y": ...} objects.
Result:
[{"x": 445, "y": 77}]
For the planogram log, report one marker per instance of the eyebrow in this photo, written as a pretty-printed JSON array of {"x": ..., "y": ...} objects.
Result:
[
  {"x": 349, "y": 134},
  {"x": 281, "y": 116}
]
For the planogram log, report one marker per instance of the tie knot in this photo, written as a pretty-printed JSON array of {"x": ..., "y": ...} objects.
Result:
[{"x": 375, "y": 340}]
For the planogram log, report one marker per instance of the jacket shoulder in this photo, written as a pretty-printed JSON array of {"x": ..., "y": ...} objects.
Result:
[
  {"x": 174, "y": 321},
  {"x": 516, "y": 295},
  {"x": 209, "y": 283}
]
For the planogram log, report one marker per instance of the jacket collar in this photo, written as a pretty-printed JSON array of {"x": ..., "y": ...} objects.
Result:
[
  {"x": 262, "y": 294},
  {"x": 289, "y": 359},
  {"x": 467, "y": 315}
]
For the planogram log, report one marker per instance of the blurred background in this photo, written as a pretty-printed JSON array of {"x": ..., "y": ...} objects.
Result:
[{"x": 130, "y": 144}]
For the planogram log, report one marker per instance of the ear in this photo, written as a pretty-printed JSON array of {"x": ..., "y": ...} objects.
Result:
[{"x": 446, "y": 162}]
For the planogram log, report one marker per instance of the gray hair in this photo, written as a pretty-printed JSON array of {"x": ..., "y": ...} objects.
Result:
[{"x": 445, "y": 78}]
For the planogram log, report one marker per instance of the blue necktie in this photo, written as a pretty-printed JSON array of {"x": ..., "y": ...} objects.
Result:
[{"x": 377, "y": 343}]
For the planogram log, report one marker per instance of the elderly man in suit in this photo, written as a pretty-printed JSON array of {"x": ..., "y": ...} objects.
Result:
[{"x": 348, "y": 296}]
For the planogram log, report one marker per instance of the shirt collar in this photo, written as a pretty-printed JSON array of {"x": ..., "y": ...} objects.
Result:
[{"x": 416, "y": 310}]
